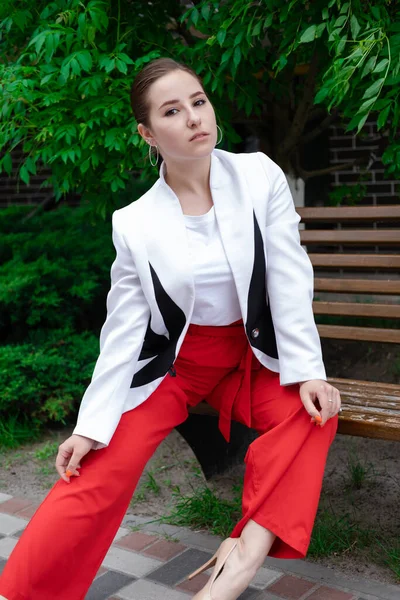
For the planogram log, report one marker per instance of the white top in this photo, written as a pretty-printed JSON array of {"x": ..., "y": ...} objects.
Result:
[{"x": 216, "y": 300}]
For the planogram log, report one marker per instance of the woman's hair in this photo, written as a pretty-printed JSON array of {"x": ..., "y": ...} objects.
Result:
[{"x": 144, "y": 80}]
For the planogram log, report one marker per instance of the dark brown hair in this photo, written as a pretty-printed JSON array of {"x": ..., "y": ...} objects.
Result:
[{"x": 147, "y": 76}]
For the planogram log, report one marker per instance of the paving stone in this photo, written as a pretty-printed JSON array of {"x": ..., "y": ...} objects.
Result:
[
  {"x": 7, "y": 545},
  {"x": 291, "y": 588},
  {"x": 136, "y": 541},
  {"x": 10, "y": 524},
  {"x": 148, "y": 590},
  {"x": 265, "y": 577},
  {"x": 128, "y": 562},
  {"x": 176, "y": 569},
  {"x": 4, "y": 497},
  {"x": 122, "y": 532},
  {"x": 250, "y": 594},
  {"x": 2, "y": 564},
  {"x": 328, "y": 593},
  {"x": 28, "y": 512},
  {"x": 101, "y": 571},
  {"x": 201, "y": 540},
  {"x": 18, "y": 534},
  {"x": 107, "y": 584},
  {"x": 14, "y": 505},
  {"x": 194, "y": 585},
  {"x": 164, "y": 550}
]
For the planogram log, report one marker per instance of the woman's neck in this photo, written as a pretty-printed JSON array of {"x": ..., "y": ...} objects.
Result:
[{"x": 190, "y": 177}]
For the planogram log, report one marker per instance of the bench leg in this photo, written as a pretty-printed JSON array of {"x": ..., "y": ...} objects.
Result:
[{"x": 214, "y": 454}]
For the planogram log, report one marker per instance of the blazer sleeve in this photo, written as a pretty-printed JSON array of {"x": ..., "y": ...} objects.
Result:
[
  {"x": 121, "y": 340},
  {"x": 290, "y": 284}
]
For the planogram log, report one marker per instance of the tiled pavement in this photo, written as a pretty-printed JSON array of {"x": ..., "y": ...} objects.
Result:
[{"x": 152, "y": 563}]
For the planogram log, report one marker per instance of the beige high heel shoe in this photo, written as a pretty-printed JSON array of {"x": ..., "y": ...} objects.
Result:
[{"x": 219, "y": 559}]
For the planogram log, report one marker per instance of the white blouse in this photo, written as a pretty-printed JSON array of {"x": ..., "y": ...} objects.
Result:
[{"x": 216, "y": 299}]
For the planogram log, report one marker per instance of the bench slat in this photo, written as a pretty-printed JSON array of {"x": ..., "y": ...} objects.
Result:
[
  {"x": 343, "y": 213},
  {"x": 367, "y": 334},
  {"x": 350, "y": 236},
  {"x": 364, "y": 261},
  {"x": 356, "y": 309},
  {"x": 369, "y": 409},
  {"x": 367, "y": 286}
]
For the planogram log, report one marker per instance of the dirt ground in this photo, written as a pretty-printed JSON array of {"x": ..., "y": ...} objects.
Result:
[{"x": 375, "y": 505}]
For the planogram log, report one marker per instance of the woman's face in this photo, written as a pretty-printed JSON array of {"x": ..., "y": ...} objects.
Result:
[{"x": 179, "y": 110}]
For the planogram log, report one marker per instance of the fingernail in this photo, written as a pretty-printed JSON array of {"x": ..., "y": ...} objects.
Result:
[
  {"x": 318, "y": 418},
  {"x": 68, "y": 473}
]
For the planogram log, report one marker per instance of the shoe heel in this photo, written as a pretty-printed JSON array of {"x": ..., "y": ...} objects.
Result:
[{"x": 204, "y": 567}]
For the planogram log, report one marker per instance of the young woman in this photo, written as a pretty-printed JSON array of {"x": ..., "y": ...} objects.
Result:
[{"x": 211, "y": 298}]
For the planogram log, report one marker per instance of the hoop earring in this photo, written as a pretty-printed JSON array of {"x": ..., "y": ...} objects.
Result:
[
  {"x": 150, "y": 155},
  {"x": 220, "y": 131}
]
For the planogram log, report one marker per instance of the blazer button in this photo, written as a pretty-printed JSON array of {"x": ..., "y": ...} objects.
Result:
[{"x": 255, "y": 333}]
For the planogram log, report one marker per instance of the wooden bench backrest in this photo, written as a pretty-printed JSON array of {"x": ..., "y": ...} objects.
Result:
[{"x": 355, "y": 252}]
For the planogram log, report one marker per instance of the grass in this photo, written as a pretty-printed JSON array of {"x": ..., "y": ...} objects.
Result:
[
  {"x": 359, "y": 471},
  {"x": 333, "y": 535}
]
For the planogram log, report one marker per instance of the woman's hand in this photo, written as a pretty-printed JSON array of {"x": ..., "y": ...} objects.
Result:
[
  {"x": 327, "y": 396},
  {"x": 70, "y": 454}
]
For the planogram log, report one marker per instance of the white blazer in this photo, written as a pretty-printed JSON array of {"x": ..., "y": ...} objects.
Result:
[{"x": 150, "y": 303}]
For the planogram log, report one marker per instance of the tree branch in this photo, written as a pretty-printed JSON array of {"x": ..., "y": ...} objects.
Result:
[
  {"x": 301, "y": 115},
  {"x": 308, "y": 174},
  {"x": 327, "y": 122}
]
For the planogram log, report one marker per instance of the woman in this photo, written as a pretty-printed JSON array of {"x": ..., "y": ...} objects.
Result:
[{"x": 211, "y": 298}]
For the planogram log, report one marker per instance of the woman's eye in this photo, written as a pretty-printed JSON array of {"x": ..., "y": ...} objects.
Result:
[{"x": 170, "y": 111}]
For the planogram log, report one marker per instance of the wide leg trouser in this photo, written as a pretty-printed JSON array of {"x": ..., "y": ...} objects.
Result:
[{"x": 66, "y": 540}]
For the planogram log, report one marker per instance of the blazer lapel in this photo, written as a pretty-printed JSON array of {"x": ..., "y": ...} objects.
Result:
[{"x": 234, "y": 213}]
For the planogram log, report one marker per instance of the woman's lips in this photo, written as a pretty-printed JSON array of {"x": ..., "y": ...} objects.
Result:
[{"x": 199, "y": 137}]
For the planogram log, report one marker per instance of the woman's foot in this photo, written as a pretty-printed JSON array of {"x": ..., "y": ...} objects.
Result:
[
  {"x": 3, "y": 598},
  {"x": 242, "y": 563}
]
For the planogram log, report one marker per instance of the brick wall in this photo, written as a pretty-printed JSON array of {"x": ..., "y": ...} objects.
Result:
[
  {"x": 15, "y": 192},
  {"x": 369, "y": 146}
]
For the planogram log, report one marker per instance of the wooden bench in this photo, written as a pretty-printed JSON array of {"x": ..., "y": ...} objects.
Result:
[{"x": 356, "y": 260}]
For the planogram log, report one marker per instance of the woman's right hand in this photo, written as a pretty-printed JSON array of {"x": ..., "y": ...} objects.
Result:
[{"x": 70, "y": 454}]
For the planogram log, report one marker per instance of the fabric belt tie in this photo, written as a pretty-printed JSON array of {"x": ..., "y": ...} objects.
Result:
[{"x": 235, "y": 388}]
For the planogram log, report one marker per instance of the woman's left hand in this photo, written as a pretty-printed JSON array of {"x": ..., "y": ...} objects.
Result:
[{"x": 327, "y": 396}]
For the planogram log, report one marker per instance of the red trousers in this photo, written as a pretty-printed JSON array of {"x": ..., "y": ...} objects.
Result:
[{"x": 66, "y": 540}]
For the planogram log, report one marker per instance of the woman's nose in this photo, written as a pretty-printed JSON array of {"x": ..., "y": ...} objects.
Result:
[{"x": 194, "y": 119}]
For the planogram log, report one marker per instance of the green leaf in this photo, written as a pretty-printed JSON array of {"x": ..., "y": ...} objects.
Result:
[
  {"x": 381, "y": 65},
  {"x": 321, "y": 95},
  {"x": 320, "y": 29},
  {"x": 237, "y": 56},
  {"x": 345, "y": 7},
  {"x": 362, "y": 123},
  {"x": 355, "y": 27},
  {"x": 376, "y": 12},
  {"x": 121, "y": 66},
  {"x": 325, "y": 14},
  {"x": 85, "y": 60},
  {"x": 205, "y": 11},
  {"x": 238, "y": 38},
  {"x": 268, "y": 21},
  {"x": 366, "y": 105},
  {"x": 257, "y": 28},
  {"x": 308, "y": 35},
  {"x": 369, "y": 65},
  {"x": 23, "y": 173},
  {"x": 383, "y": 117},
  {"x": 340, "y": 21},
  {"x": 374, "y": 88},
  {"x": 7, "y": 163},
  {"x": 226, "y": 55},
  {"x": 221, "y": 35},
  {"x": 195, "y": 15}
]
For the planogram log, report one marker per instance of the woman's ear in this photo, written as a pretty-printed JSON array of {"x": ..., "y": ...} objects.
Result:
[{"x": 146, "y": 134}]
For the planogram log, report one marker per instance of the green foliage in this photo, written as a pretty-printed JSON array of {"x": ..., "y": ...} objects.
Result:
[
  {"x": 54, "y": 271},
  {"x": 69, "y": 65},
  {"x": 43, "y": 382},
  {"x": 54, "y": 278}
]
